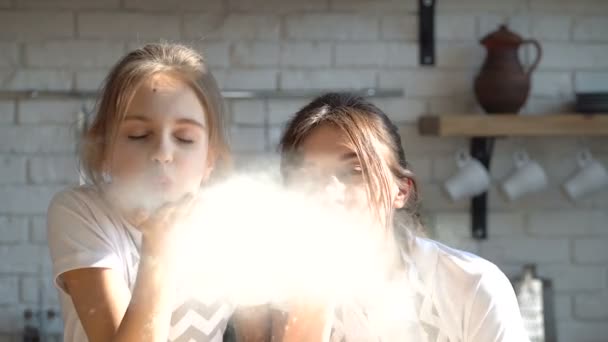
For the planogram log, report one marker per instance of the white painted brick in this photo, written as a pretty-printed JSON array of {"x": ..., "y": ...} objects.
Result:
[
  {"x": 89, "y": 80},
  {"x": 579, "y": 56},
  {"x": 247, "y": 79},
  {"x": 54, "y": 111},
  {"x": 413, "y": 142},
  {"x": 571, "y": 330},
  {"x": 274, "y": 138},
  {"x": 454, "y": 230},
  {"x": 247, "y": 139},
  {"x": 553, "y": 27},
  {"x": 126, "y": 25},
  {"x": 235, "y": 26},
  {"x": 591, "y": 306},
  {"x": 13, "y": 229},
  {"x": 73, "y": 54},
  {"x": 306, "y": 54},
  {"x": 249, "y": 112},
  {"x": 178, "y": 5},
  {"x": 489, "y": 23},
  {"x": 332, "y": 27},
  {"x": 26, "y": 199},
  {"x": 434, "y": 198},
  {"x": 428, "y": 82},
  {"x": 24, "y": 258},
  {"x": 399, "y": 27},
  {"x": 552, "y": 84},
  {"x": 591, "y": 251},
  {"x": 541, "y": 106},
  {"x": 465, "y": 55},
  {"x": 9, "y": 55},
  {"x": 32, "y": 25},
  {"x": 33, "y": 287},
  {"x": 562, "y": 304},
  {"x": 454, "y": 105},
  {"x": 281, "y": 110},
  {"x": 368, "y": 6},
  {"x": 574, "y": 278},
  {"x": 216, "y": 54},
  {"x": 33, "y": 139},
  {"x": 254, "y": 54},
  {"x": 401, "y": 110},
  {"x": 593, "y": 7},
  {"x": 521, "y": 249},
  {"x": 591, "y": 29},
  {"x": 377, "y": 54},
  {"x": 39, "y": 79},
  {"x": 12, "y": 169},
  {"x": 38, "y": 230},
  {"x": 68, "y": 4},
  {"x": 482, "y": 5},
  {"x": 53, "y": 170},
  {"x": 455, "y": 27},
  {"x": 7, "y": 112},
  {"x": 278, "y": 6},
  {"x": 591, "y": 81},
  {"x": 328, "y": 79},
  {"x": 568, "y": 223},
  {"x": 549, "y": 198},
  {"x": 9, "y": 290},
  {"x": 421, "y": 166}
]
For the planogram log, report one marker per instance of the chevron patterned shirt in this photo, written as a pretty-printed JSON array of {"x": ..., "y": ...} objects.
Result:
[{"x": 84, "y": 232}]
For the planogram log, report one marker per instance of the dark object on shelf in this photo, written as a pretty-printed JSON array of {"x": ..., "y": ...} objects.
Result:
[
  {"x": 592, "y": 103},
  {"x": 502, "y": 85}
]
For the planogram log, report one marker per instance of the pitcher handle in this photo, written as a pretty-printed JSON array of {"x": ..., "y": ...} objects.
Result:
[{"x": 539, "y": 54}]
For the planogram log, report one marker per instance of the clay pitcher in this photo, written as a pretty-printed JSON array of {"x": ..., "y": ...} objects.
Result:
[{"x": 503, "y": 85}]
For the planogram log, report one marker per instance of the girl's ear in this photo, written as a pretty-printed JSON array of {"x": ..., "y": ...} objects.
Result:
[
  {"x": 400, "y": 199},
  {"x": 402, "y": 194}
]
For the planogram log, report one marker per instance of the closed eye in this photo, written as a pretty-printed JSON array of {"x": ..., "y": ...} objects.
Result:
[{"x": 138, "y": 137}]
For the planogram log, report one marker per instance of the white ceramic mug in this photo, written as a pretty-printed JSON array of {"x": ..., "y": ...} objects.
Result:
[
  {"x": 527, "y": 177},
  {"x": 471, "y": 178},
  {"x": 590, "y": 177}
]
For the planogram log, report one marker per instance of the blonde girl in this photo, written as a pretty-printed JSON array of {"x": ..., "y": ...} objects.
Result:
[
  {"x": 155, "y": 140},
  {"x": 342, "y": 141}
]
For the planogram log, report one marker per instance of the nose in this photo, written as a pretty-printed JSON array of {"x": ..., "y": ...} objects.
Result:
[
  {"x": 335, "y": 190},
  {"x": 162, "y": 151}
]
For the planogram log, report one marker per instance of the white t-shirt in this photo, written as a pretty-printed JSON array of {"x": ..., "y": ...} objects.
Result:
[
  {"x": 443, "y": 295},
  {"x": 84, "y": 231}
]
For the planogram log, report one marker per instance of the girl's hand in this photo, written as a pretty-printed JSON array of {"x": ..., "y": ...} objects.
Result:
[{"x": 162, "y": 228}]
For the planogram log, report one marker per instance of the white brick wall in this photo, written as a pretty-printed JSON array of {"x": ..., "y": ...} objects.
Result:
[
  {"x": 73, "y": 54},
  {"x": 318, "y": 44}
]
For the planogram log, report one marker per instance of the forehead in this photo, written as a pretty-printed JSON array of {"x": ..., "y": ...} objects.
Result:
[
  {"x": 163, "y": 96},
  {"x": 327, "y": 141}
]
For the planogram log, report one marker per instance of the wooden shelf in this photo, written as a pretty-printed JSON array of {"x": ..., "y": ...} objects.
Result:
[{"x": 480, "y": 125}]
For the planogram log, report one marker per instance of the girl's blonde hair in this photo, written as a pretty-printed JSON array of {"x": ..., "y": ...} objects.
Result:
[
  {"x": 377, "y": 143},
  {"x": 120, "y": 86}
]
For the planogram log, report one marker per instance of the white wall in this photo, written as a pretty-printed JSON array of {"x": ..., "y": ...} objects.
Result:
[{"x": 273, "y": 44}]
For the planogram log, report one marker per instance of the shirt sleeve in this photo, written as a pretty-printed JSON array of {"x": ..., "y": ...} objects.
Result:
[
  {"x": 494, "y": 314},
  {"x": 76, "y": 239}
]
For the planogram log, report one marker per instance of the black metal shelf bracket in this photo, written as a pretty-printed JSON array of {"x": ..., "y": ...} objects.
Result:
[
  {"x": 481, "y": 149},
  {"x": 426, "y": 31}
]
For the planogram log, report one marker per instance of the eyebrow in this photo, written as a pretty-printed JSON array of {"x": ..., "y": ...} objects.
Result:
[
  {"x": 348, "y": 156},
  {"x": 188, "y": 121}
]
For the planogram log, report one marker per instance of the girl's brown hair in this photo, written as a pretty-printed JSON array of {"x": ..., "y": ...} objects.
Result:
[
  {"x": 120, "y": 86},
  {"x": 373, "y": 137}
]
